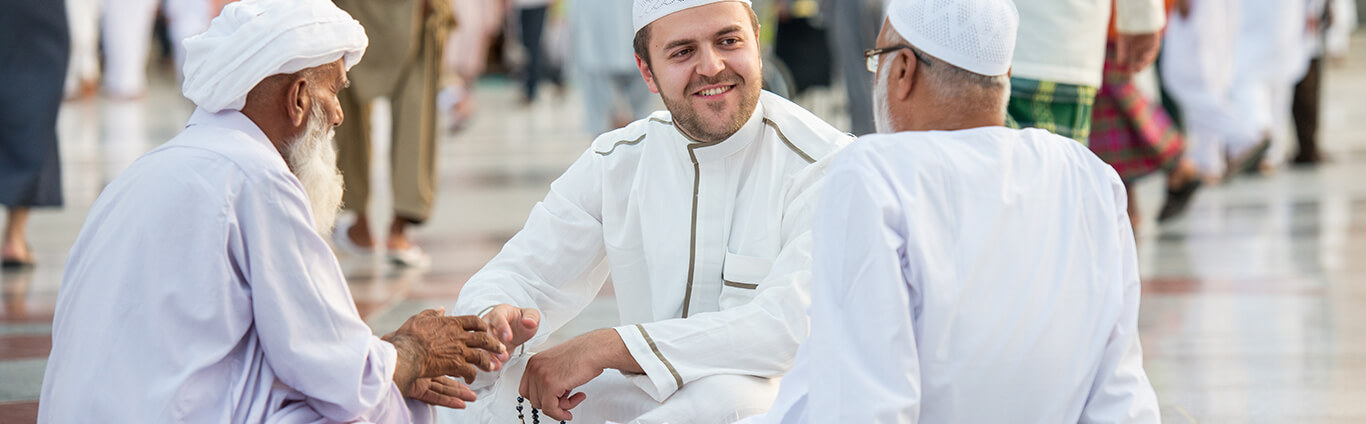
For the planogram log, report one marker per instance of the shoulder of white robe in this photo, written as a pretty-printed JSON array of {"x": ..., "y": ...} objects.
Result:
[{"x": 807, "y": 135}]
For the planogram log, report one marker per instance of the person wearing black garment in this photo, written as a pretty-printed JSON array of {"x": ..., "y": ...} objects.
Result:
[{"x": 33, "y": 63}]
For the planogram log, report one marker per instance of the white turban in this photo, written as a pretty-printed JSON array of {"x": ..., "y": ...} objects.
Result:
[
  {"x": 254, "y": 39},
  {"x": 976, "y": 35},
  {"x": 646, "y": 11}
]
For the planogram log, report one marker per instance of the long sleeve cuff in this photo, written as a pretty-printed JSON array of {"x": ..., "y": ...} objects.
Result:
[
  {"x": 661, "y": 379},
  {"x": 1139, "y": 16}
]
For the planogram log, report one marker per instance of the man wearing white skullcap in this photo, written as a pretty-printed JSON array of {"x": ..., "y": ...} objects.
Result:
[
  {"x": 966, "y": 272},
  {"x": 701, "y": 217},
  {"x": 200, "y": 289}
]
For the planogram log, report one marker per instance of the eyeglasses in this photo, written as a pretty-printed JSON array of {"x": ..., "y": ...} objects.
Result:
[{"x": 872, "y": 57}]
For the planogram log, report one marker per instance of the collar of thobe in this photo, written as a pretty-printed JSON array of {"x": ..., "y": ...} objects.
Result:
[
  {"x": 235, "y": 121},
  {"x": 748, "y": 133}
]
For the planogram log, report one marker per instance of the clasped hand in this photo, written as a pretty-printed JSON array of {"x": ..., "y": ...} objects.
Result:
[{"x": 432, "y": 346}]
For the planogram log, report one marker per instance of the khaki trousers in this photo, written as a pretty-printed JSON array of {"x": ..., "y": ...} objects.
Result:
[{"x": 402, "y": 63}]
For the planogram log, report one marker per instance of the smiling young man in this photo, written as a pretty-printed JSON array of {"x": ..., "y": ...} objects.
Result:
[{"x": 700, "y": 215}]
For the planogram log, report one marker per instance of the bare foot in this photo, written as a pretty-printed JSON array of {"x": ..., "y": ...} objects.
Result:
[{"x": 359, "y": 233}]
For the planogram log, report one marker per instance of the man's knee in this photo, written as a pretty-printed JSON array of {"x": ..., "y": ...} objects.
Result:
[{"x": 716, "y": 399}]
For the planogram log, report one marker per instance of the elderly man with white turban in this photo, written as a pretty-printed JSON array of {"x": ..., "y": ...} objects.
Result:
[
  {"x": 701, "y": 217},
  {"x": 966, "y": 272},
  {"x": 200, "y": 289}
]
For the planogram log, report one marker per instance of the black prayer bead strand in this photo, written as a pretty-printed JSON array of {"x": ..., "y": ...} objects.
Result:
[{"x": 535, "y": 413}]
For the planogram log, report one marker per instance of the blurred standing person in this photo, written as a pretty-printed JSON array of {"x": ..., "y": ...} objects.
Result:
[
  {"x": 404, "y": 64},
  {"x": 1269, "y": 59},
  {"x": 604, "y": 64},
  {"x": 1197, "y": 69},
  {"x": 851, "y": 27},
  {"x": 186, "y": 18},
  {"x": 1060, "y": 55},
  {"x": 1305, "y": 104},
  {"x": 83, "y": 74},
  {"x": 1137, "y": 137},
  {"x": 466, "y": 55},
  {"x": 34, "y": 71},
  {"x": 126, "y": 29},
  {"x": 531, "y": 15}
]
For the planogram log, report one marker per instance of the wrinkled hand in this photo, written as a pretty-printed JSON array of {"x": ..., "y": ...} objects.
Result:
[
  {"x": 432, "y": 345},
  {"x": 442, "y": 391},
  {"x": 551, "y": 376},
  {"x": 1136, "y": 51},
  {"x": 512, "y": 325}
]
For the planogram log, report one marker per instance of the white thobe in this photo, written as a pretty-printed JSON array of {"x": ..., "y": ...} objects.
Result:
[
  {"x": 83, "y": 19},
  {"x": 199, "y": 292},
  {"x": 125, "y": 30},
  {"x": 1064, "y": 40},
  {"x": 1270, "y": 59},
  {"x": 708, "y": 246},
  {"x": 978, "y": 276},
  {"x": 1198, "y": 68}
]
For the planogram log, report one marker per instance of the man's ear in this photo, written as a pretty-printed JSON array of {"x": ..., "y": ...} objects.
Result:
[
  {"x": 647, "y": 74},
  {"x": 297, "y": 102},
  {"x": 901, "y": 79}
]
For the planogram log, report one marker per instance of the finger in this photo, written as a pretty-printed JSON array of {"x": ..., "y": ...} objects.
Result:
[
  {"x": 567, "y": 403},
  {"x": 531, "y": 318},
  {"x": 480, "y": 358},
  {"x": 452, "y": 388},
  {"x": 500, "y": 325},
  {"x": 552, "y": 409},
  {"x": 458, "y": 390},
  {"x": 465, "y": 371},
  {"x": 431, "y": 312},
  {"x": 484, "y": 341},
  {"x": 438, "y": 399},
  {"x": 469, "y": 323}
]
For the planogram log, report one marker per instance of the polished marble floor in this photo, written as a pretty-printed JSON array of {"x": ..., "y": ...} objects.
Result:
[{"x": 1254, "y": 305}]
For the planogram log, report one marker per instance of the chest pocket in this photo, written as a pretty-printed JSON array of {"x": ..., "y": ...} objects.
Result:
[{"x": 740, "y": 277}]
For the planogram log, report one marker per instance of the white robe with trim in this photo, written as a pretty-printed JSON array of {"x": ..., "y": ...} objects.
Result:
[
  {"x": 707, "y": 244},
  {"x": 199, "y": 292}
]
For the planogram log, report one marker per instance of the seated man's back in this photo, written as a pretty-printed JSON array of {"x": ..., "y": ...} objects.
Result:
[{"x": 983, "y": 275}]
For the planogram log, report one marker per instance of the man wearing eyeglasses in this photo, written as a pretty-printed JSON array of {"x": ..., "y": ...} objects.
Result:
[
  {"x": 966, "y": 272},
  {"x": 700, "y": 215}
]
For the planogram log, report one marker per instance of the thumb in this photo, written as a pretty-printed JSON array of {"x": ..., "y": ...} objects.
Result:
[
  {"x": 441, "y": 310},
  {"x": 531, "y": 318}
]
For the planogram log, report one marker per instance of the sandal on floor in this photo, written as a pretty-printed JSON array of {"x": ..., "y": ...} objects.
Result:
[
  {"x": 343, "y": 242},
  {"x": 1248, "y": 162},
  {"x": 411, "y": 257},
  {"x": 1178, "y": 200}
]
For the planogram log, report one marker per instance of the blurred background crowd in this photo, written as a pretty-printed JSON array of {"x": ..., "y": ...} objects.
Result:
[{"x": 463, "y": 110}]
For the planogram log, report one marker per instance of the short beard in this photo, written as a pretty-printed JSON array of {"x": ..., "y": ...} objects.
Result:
[
  {"x": 882, "y": 119},
  {"x": 313, "y": 159},
  {"x": 690, "y": 122}
]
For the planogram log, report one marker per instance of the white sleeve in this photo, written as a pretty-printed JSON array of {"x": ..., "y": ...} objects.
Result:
[
  {"x": 1122, "y": 392},
  {"x": 557, "y": 262},
  {"x": 307, "y": 323},
  {"x": 1139, "y": 16},
  {"x": 758, "y": 338},
  {"x": 862, "y": 327}
]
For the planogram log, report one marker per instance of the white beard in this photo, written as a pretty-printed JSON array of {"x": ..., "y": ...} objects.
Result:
[
  {"x": 313, "y": 159},
  {"x": 882, "y": 118}
]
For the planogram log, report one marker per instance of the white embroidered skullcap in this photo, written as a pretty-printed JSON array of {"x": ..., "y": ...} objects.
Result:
[
  {"x": 646, "y": 11},
  {"x": 254, "y": 39},
  {"x": 976, "y": 35}
]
